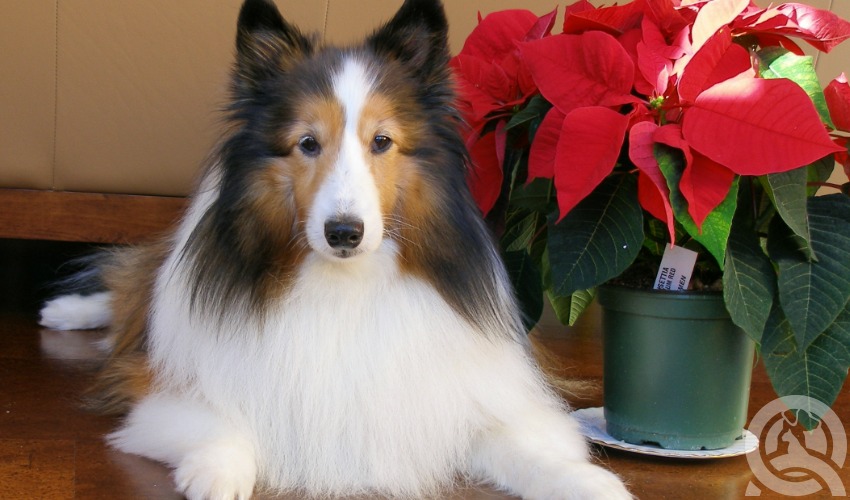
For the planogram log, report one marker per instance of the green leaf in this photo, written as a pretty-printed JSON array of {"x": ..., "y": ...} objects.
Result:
[
  {"x": 656, "y": 236},
  {"x": 819, "y": 171},
  {"x": 818, "y": 372},
  {"x": 598, "y": 239},
  {"x": 749, "y": 283},
  {"x": 718, "y": 223},
  {"x": 789, "y": 193},
  {"x": 777, "y": 62},
  {"x": 516, "y": 166},
  {"x": 581, "y": 299},
  {"x": 520, "y": 231},
  {"x": 716, "y": 226},
  {"x": 813, "y": 293},
  {"x": 528, "y": 285},
  {"x": 569, "y": 309},
  {"x": 536, "y": 196},
  {"x": 561, "y": 306},
  {"x": 535, "y": 110}
]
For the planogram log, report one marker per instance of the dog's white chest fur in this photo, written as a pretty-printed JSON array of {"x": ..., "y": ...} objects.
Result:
[
  {"x": 364, "y": 374},
  {"x": 362, "y": 377}
]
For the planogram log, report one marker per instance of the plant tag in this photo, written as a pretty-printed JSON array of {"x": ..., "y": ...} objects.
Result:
[{"x": 677, "y": 267}]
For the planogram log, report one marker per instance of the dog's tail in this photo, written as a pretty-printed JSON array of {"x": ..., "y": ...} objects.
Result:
[
  {"x": 82, "y": 302},
  {"x": 77, "y": 312},
  {"x": 124, "y": 279},
  {"x": 557, "y": 375}
]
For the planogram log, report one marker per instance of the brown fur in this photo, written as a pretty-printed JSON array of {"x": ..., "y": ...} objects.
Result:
[
  {"x": 555, "y": 373},
  {"x": 405, "y": 199},
  {"x": 125, "y": 377},
  {"x": 275, "y": 214},
  {"x": 378, "y": 118},
  {"x": 323, "y": 120}
]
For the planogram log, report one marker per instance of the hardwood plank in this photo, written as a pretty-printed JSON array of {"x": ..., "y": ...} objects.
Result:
[
  {"x": 103, "y": 472},
  {"x": 37, "y": 468},
  {"x": 89, "y": 217},
  {"x": 51, "y": 448}
]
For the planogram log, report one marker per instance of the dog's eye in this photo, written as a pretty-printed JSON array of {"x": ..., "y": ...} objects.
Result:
[
  {"x": 381, "y": 143},
  {"x": 309, "y": 145}
]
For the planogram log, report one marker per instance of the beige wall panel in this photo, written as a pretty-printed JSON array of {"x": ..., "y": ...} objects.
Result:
[
  {"x": 833, "y": 64},
  {"x": 140, "y": 86},
  {"x": 140, "y": 83},
  {"x": 349, "y": 21},
  {"x": 27, "y": 93},
  {"x": 308, "y": 15}
]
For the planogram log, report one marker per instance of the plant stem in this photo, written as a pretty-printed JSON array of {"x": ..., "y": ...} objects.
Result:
[{"x": 826, "y": 184}]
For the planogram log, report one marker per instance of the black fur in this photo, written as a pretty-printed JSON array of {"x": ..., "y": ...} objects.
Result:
[
  {"x": 417, "y": 36},
  {"x": 458, "y": 261},
  {"x": 232, "y": 254},
  {"x": 265, "y": 43}
]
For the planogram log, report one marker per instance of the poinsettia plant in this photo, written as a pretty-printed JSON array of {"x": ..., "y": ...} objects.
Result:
[{"x": 699, "y": 123}]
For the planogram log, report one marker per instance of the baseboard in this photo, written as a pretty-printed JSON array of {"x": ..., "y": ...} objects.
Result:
[{"x": 88, "y": 217}]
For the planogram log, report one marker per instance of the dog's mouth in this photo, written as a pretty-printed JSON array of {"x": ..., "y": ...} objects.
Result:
[{"x": 346, "y": 253}]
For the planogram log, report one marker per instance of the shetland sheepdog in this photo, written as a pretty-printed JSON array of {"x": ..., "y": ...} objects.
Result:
[{"x": 331, "y": 316}]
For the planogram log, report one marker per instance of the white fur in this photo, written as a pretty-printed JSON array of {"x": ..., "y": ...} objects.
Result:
[
  {"x": 77, "y": 312},
  {"x": 211, "y": 460},
  {"x": 362, "y": 380},
  {"x": 349, "y": 190}
]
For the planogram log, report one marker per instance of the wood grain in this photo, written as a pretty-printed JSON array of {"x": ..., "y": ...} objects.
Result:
[
  {"x": 36, "y": 468},
  {"x": 88, "y": 217},
  {"x": 51, "y": 448}
]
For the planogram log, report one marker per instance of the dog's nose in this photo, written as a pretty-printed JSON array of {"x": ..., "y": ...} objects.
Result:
[{"x": 344, "y": 233}]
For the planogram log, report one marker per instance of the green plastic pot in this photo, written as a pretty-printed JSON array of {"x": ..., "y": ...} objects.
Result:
[{"x": 676, "y": 369}]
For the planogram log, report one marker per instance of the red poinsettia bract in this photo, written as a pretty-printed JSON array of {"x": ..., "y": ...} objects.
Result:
[
  {"x": 648, "y": 72},
  {"x": 491, "y": 80}
]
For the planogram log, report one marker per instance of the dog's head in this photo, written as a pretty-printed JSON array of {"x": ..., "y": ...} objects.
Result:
[
  {"x": 335, "y": 152},
  {"x": 331, "y": 139},
  {"x": 339, "y": 152}
]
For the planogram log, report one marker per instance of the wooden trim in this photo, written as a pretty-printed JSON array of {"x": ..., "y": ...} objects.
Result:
[{"x": 89, "y": 217}]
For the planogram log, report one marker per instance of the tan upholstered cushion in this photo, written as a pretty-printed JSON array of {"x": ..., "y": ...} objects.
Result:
[{"x": 123, "y": 97}]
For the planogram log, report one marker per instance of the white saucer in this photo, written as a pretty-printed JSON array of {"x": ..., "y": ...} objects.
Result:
[{"x": 592, "y": 422}]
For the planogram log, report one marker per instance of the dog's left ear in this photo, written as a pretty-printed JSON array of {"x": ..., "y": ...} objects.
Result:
[
  {"x": 265, "y": 42},
  {"x": 417, "y": 36}
]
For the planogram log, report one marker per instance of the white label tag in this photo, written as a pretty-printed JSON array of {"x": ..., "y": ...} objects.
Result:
[{"x": 677, "y": 267}]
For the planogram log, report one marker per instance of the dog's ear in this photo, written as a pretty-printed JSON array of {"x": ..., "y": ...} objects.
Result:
[
  {"x": 417, "y": 36},
  {"x": 265, "y": 42}
]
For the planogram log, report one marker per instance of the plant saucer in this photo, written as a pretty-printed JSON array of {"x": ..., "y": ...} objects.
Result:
[{"x": 592, "y": 422}]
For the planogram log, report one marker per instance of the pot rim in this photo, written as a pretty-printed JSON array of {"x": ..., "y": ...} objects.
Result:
[{"x": 689, "y": 304}]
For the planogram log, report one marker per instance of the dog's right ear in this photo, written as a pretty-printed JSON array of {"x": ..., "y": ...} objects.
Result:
[
  {"x": 417, "y": 36},
  {"x": 265, "y": 42}
]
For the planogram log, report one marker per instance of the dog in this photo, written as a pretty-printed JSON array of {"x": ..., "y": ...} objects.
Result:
[{"x": 331, "y": 316}]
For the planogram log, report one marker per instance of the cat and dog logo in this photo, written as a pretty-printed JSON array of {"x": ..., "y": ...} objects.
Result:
[{"x": 791, "y": 460}]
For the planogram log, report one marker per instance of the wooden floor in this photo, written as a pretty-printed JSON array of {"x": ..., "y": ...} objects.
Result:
[{"x": 49, "y": 448}]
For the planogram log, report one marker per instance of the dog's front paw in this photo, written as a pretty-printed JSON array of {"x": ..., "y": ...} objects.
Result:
[
  {"x": 584, "y": 481},
  {"x": 217, "y": 473}
]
